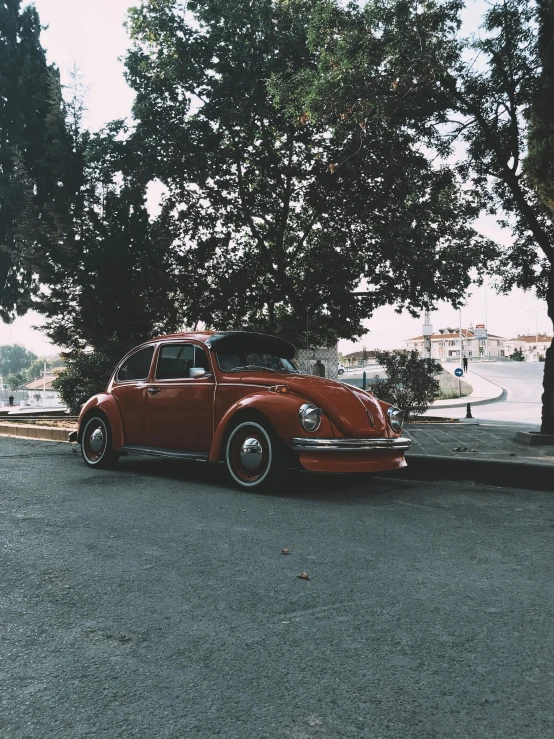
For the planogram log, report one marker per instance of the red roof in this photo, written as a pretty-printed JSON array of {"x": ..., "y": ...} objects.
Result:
[{"x": 38, "y": 384}]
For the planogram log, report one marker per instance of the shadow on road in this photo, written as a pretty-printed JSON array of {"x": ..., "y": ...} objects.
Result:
[{"x": 295, "y": 484}]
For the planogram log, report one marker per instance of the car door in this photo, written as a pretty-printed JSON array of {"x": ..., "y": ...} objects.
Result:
[
  {"x": 129, "y": 389},
  {"x": 180, "y": 409}
]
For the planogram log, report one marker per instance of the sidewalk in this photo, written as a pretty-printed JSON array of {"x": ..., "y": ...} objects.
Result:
[
  {"x": 482, "y": 441},
  {"x": 484, "y": 453}
]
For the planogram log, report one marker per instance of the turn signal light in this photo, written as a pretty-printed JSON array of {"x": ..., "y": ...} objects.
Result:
[{"x": 279, "y": 389}]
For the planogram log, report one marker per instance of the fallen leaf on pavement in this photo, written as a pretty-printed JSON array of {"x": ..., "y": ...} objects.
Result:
[{"x": 303, "y": 576}]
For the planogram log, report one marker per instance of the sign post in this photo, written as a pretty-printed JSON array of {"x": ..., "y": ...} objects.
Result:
[
  {"x": 481, "y": 334},
  {"x": 459, "y": 372}
]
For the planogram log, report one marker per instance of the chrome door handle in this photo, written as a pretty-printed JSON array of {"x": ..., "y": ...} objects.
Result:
[{"x": 154, "y": 390}]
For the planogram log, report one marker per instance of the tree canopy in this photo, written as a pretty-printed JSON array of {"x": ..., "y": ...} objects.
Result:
[
  {"x": 36, "y": 177},
  {"x": 116, "y": 284},
  {"x": 15, "y": 358},
  {"x": 468, "y": 101},
  {"x": 540, "y": 159},
  {"x": 282, "y": 216}
]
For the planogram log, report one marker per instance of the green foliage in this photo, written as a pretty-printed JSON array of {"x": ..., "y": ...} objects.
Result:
[
  {"x": 517, "y": 356},
  {"x": 35, "y": 370},
  {"x": 116, "y": 282},
  {"x": 15, "y": 358},
  {"x": 540, "y": 158},
  {"x": 85, "y": 375},
  {"x": 35, "y": 159},
  {"x": 410, "y": 382},
  {"x": 14, "y": 380},
  {"x": 469, "y": 100},
  {"x": 282, "y": 214}
]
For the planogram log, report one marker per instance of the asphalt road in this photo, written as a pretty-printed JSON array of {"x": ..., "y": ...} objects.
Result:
[
  {"x": 523, "y": 384},
  {"x": 153, "y": 602}
]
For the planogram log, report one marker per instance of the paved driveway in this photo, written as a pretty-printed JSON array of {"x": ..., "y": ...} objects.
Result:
[{"x": 153, "y": 602}]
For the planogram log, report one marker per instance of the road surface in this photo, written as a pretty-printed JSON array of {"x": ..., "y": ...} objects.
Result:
[
  {"x": 523, "y": 384},
  {"x": 153, "y": 601}
]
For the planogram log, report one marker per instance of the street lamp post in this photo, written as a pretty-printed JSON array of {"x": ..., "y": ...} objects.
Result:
[{"x": 536, "y": 312}]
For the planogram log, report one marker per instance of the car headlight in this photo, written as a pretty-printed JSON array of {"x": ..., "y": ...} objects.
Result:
[
  {"x": 396, "y": 418},
  {"x": 309, "y": 417}
]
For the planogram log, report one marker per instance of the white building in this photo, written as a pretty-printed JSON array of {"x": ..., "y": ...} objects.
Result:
[
  {"x": 445, "y": 344},
  {"x": 533, "y": 346}
]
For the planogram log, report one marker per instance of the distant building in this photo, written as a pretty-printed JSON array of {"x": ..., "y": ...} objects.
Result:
[
  {"x": 445, "y": 344},
  {"x": 40, "y": 391},
  {"x": 355, "y": 359},
  {"x": 533, "y": 346}
]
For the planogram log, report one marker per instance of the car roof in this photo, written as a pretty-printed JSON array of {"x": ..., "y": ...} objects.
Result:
[
  {"x": 235, "y": 339},
  {"x": 194, "y": 335}
]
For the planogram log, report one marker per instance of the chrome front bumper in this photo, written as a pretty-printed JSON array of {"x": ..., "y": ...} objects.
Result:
[{"x": 302, "y": 444}]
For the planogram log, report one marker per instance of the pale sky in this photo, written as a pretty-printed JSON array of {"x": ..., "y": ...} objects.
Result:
[{"x": 90, "y": 33}]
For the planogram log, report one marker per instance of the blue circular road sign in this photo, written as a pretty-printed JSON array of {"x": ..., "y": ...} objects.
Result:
[{"x": 458, "y": 372}]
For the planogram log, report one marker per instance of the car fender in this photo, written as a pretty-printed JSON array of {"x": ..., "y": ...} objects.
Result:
[
  {"x": 108, "y": 405},
  {"x": 280, "y": 409}
]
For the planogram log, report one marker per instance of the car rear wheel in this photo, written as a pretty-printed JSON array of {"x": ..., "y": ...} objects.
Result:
[
  {"x": 252, "y": 455},
  {"x": 96, "y": 443}
]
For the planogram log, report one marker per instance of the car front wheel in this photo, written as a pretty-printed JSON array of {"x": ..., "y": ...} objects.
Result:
[
  {"x": 251, "y": 455},
  {"x": 96, "y": 443}
]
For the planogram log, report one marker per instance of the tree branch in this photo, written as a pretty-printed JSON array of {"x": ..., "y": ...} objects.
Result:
[{"x": 505, "y": 171}]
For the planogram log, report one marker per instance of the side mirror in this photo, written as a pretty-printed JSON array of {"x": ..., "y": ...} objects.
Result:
[{"x": 196, "y": 372}]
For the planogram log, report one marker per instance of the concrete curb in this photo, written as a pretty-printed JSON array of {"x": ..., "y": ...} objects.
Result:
[
  {"x": 485, "y": 401},
  {"x": 500, "y": 472},
  {"x": 29, "y": 431}
]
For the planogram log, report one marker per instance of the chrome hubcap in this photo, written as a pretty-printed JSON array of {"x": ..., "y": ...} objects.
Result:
[
  {"x": 251, "y": 453},
  {"x": 96, "y": 440}
]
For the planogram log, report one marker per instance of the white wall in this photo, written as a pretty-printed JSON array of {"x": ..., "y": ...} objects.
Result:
[{"x": 327, "y": 355}]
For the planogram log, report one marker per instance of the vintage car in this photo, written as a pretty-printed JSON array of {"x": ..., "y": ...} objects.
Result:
[{"x": 236, "y": 397}]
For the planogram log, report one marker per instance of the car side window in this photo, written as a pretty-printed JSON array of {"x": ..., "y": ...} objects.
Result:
[
  {"x": 176, "y": 360},
  {"x": 137, "y": 366}
]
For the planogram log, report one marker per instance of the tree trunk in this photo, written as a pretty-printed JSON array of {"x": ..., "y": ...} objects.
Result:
[{"x": 547, "y": 426}]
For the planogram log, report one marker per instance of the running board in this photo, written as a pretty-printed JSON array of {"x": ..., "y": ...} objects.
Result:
[{"x": 166, "y": 453}]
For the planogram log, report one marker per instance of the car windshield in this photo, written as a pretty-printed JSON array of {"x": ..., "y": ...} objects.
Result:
[{"x": 254, "y": 361}]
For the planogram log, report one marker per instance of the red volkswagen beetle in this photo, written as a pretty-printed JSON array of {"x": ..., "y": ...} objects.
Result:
[{"x": 237, "y": 397}]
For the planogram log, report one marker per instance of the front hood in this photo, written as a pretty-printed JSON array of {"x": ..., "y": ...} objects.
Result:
[{"x": 349, "y": 408}]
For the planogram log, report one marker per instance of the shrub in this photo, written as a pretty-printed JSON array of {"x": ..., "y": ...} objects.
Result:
[
  {"x": 518, "y": 356},
  {"x": 85, "y": 375},
  {"x": 411, "y": 382}
]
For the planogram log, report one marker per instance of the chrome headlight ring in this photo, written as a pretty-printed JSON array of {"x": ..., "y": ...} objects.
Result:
[
  {"x": 310, "y": 417},
  {"x": 396, "y": 418}
]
